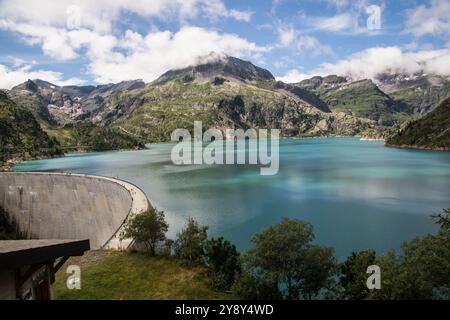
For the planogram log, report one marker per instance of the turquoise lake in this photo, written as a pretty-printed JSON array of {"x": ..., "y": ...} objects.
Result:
[{"x": 356, "y": 194}]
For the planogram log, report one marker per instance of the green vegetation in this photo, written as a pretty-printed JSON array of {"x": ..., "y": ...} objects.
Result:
[
  {"x": 283, "y": 264},
  {"x": 362, "y": 99},
  {"x": 88, "y": 137},
  {"x": 353, "y": 274},
  {"x": 432, "y": 131},
  {"x": 422, "y": 270},
  {"x": 422, "y": 99},
  {"x": 119, "y": 275},
  {"x": 222, "y": 262},
  {"x": 191, "y": 243},
  {"x": 148, "y": 228},
  {"x": 160, "y": 109},
  {"x": 284, "y": 258},
  {"x": 20, "y": 134}
]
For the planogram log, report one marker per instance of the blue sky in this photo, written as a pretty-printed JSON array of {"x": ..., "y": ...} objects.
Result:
[{"x": 86, "y": 42}]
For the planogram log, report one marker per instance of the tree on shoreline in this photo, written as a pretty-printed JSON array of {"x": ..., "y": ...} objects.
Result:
[{"x": 284, "y": 257}]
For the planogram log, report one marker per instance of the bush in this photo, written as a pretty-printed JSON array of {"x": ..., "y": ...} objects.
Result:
[
  {"x": 284, "y": 256},
  {"x": 191, "y": 243},
  {"x": 249, "y": 286},
  {"x": 222, "y": 261},
  {"x": 353, "y": 274},
  {"x": 148, "y": 228}
]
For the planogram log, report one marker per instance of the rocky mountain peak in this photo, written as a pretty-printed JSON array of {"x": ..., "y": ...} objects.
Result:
[{"x": 217, "y": 65}]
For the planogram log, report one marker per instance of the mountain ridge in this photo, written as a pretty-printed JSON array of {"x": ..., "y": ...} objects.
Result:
[
  {"x": 432, "y": 131},
  {"x": 222, "y": 91}
]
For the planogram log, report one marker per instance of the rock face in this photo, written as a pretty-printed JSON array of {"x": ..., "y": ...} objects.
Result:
[
  {"x": 418, "y": 93},
  {"x": 432, "y": 131},
  {"x": 70, "y": 104}
]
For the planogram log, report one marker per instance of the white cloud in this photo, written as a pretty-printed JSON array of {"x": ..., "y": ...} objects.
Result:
[
  {"x": 312, "y": 44},
  {"x": 286, "y": 35},
  {"x": 433, "y": 20},
  {"x": 149, "y": 56},
  {"x": 367, "y": 64},
  {"x": 293, "y": 76},
  {"x": 340, "y": 22},
  {"x": 99, "y": 15},
  {"x": 136, "y": 56},
  {"x": 352, "y": 18},
  {"x": 290, "y": 37},
  {"x": 240, "y": 15},
  {"x": 372, "y": 61},
  {"x": 11, "y": 77},
  {"x": 116, "y": 56}
]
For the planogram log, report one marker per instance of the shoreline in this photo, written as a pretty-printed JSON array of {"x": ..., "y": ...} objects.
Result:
[
  {"x": 11, "y": 163},
  {"x": 416, "y": 147},
  {"x": 371, "y": 139}
]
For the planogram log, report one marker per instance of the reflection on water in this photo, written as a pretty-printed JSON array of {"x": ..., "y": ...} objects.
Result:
[{"x": 356, "y": 194}]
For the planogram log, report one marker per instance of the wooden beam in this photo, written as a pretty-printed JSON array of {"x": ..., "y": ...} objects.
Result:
[{"x": 59, "y": 264}]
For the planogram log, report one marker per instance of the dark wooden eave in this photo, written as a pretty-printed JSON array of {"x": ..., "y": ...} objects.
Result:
[{"x": 19, "y": 253}]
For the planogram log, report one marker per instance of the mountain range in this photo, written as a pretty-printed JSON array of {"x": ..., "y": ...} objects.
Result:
[{"x": 224, "y": 92}]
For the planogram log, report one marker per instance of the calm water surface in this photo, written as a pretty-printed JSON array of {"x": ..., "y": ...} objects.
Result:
[{"x": 356, "y": 194}]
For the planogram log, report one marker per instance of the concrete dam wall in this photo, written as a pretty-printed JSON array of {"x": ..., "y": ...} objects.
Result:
[{"x": 70, "y": 206}]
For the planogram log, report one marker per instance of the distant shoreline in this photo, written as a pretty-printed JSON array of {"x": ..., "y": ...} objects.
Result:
[{"x": 417, "y": 147}]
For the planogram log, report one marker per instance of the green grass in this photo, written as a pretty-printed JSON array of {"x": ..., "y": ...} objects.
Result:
[{"x": 119, "y": 275}]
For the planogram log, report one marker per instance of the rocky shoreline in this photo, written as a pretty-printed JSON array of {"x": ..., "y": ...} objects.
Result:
[{"x": 417, "y": 147}]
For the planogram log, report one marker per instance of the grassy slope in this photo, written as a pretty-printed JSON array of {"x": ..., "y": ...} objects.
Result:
[
  {"x": 431, "y": 131},
  {"x": 423, "y": 99},
  {"x": 118, "y": 275},
  {"x": 175, "y": 105},
  {"x": 362, "y": 99},
  {"x": 88, "y": 137}
]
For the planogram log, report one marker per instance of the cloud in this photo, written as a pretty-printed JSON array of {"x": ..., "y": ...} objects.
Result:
[
  {"x": 136, "y": 56},
  {"x": 288, "y": 36},
  {"x": 72, "y": 29},
  {"x": 433, "y": 20},
  {"x": 100, "y": 15},
  {"x": 369, "y": 63},
  {"x": 240, "y": 15},
  {"x": 353, "y": 17},
  {"x": 147, "y": 57},
  {"x": 293, "y": 76},
  {"x": 11, "y": 77},
  {"x": 340, "y": 22}
]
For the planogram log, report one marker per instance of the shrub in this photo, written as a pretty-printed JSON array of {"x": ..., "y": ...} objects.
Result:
[
  {"x": 191, "y": 242},
  {"x": 222, "y": 261},
  {"x": 148, "y": 228}
]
